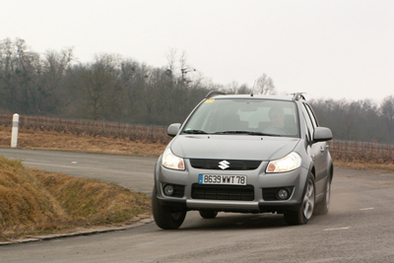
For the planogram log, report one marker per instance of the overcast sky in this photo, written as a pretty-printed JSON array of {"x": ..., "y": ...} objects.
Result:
[{"x": 328, "y": 49}]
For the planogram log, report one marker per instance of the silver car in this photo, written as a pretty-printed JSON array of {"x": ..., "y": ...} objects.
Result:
[{"x": 248, "y": 154}]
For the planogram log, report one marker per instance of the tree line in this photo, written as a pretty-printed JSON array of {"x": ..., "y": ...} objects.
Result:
[
  {"x": 109, "y": 88},
  {"x": 362, "y": 120},
  {"x": 113, "y": 88}
]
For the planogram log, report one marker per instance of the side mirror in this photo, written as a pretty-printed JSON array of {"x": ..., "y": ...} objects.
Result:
[
  {"x": 173, "y": 129},
  {"x": 322, "y": 134}
]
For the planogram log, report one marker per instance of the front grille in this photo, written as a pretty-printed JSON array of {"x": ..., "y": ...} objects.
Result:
[
  {"x": 269, "y": 194},
  {"x": 234, "y": 164},
  {"x": 223, "y": 192}
]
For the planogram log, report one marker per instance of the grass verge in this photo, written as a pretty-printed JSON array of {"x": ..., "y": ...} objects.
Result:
[
  {"x": 46, "y": 140},
  {"x": 365, "y": 166},
  {"x": 34, "y": 202}
]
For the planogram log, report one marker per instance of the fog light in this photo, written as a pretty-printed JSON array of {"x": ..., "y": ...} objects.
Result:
[
  {"x": 283, "y": 194},
  {"x": 168, "y": 190}
]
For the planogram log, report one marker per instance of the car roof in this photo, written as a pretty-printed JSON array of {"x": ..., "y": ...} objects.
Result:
[{"x": 290, "y": 97}]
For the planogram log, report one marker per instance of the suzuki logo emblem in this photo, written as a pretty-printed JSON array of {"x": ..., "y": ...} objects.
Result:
[{"x": 224, "y": 165}]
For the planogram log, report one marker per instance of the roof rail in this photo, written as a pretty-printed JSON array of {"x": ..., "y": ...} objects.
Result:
[
  {"x": 213, "y": 93},
  {"x": 298, "y": 95}
]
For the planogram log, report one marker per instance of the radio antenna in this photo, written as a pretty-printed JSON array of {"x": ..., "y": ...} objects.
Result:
[{"x": 254, "y": 84}]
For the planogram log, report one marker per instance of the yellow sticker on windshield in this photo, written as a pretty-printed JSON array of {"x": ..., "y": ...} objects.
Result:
[{"x": 209, "y": 100}]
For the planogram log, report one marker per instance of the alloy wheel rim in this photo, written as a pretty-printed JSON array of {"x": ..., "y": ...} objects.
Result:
[{"x": 309, "y": 200}]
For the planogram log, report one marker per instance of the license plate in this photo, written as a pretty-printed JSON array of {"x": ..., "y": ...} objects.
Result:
[{"x": 222, "y": 179}]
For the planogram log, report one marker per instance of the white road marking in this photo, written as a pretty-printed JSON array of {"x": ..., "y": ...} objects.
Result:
[
  {"x": 369, "y": 208},
  {"x": 335, "y": 229}
]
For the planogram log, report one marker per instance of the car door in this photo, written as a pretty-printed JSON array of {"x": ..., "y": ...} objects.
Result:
[{"x": 318, "y": 150}]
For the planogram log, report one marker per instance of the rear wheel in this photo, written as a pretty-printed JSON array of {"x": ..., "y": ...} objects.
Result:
[
  {"x": 208, "y": 214},
  {"x": 164, "y": 216},
  {"x": 304, "y": 213}
]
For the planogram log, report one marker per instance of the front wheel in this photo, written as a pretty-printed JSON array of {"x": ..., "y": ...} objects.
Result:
[
  {"x": 165, "y": 217},
  {"x": 304, "y": 213}
]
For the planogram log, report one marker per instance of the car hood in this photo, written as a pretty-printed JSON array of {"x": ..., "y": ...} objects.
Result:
[{"x": 241, "y": 147}]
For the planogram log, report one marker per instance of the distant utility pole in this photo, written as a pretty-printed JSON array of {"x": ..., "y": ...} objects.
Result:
[{"x": 185, "y": 71}]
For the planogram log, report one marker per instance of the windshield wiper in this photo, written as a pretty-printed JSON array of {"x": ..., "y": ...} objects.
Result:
[
  {"x": 194, "y": 132},
  {"x": 243, "y": 132},
  {"x": 229, "y": 132}
]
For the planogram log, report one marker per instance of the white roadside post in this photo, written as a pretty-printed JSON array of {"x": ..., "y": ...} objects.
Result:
[{"x": 15, "y": 125}]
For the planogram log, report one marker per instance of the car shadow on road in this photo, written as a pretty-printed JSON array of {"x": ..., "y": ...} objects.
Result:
[{"x": 228, "y": 221}]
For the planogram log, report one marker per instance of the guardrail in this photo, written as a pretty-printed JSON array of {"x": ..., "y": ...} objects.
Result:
[{"x": 349, "y": 151}]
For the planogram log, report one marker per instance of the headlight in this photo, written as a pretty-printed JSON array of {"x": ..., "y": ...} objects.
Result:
[
  {"x": 171, "y": 161},
  {"x": 287, "y": 163}
]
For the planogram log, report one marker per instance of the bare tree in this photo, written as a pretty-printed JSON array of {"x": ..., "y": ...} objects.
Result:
[
  {"x": 235, "y": 88},
  {"x": 265, "y": 85},
  {"x": 171, "y": 60},
  {"x": 387, "y": 111},
  {"x": 21, "y": 76},
  {"x": 132, "y": 79},
  {"x": 8, "y": 57},
  {"x": 49, "y": 93},
  {"x": 29, "y": 84},
  {"x": 99, "y": 88}
]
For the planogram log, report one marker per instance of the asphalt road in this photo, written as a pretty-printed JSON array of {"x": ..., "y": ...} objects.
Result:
[
  {"x": 131, "y": 172},
  {"x": 359, "y": 227}
]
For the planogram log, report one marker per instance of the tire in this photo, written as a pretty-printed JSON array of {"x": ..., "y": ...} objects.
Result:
[
  {"x": 208, "y": 214},
  {"x": 305, "y": 211},
  {"x": 323, "y": 207},
  {"x": 164, "y": 217}
]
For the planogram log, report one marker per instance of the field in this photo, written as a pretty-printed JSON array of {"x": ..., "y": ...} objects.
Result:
[{"x": 52, "y": 140}]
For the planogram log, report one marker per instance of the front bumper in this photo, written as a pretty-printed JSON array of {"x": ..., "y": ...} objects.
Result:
[
  {"x": 226, "y": 206},
  {"x": 257, "y": 179}
]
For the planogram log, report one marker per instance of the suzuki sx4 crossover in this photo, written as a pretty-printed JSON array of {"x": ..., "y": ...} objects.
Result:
[{"x": 244, "y": 154}]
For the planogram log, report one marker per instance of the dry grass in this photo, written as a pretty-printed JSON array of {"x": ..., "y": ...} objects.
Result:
[
  {"x": 34, "y": 202},
  {"x": 29, "y": 139},
  {"x": 365, "y": 166}
]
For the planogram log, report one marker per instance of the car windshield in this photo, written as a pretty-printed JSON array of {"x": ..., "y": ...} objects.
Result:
[{"x": 245, "y": 116}]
